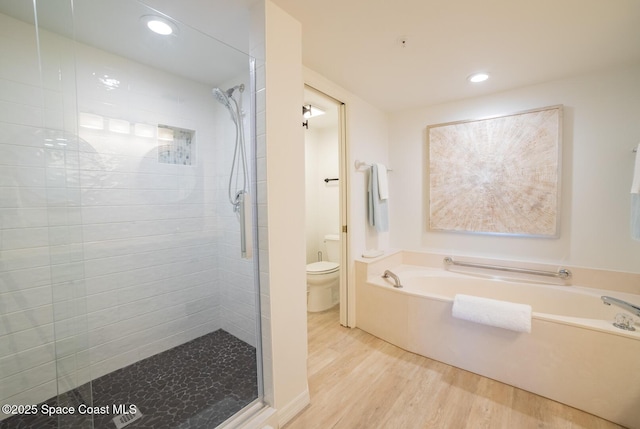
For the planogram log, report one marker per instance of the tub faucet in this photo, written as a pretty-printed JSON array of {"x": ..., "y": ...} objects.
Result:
[
  {"x": 608, "y": 300},
  {"x": 395, "y": 278}
]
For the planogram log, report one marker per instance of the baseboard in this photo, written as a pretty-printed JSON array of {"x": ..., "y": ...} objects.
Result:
[
  {"x": 265, "y": 418},
  {"x": 290, "y": 410}
]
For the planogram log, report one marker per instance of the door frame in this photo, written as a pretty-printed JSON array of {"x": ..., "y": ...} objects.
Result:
[{"x": 346, "y": 306}]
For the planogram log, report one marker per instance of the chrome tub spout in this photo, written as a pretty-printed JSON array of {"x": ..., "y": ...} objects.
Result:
[
  {"x": 634, "y": 309},
  {"x": 395, "y": 278}
]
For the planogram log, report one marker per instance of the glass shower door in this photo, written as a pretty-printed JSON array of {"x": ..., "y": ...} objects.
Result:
[
  {"x": 124, "y": 294},
  {"x": 43, "y": 329}
]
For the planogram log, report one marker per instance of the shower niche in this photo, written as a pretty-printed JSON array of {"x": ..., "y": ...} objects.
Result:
[{"x": 176, "y": 145}]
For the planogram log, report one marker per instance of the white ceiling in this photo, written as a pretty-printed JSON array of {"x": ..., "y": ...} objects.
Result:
[
  {"x": 116, "y": 26},
  {"x": 356, "y": 44}
]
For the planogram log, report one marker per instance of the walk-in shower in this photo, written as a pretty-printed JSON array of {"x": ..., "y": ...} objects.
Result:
[{"x": 126, "y": 298}]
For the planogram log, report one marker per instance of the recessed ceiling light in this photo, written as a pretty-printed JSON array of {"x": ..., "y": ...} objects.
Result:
[
  {"x": 478, "y": 77},
  {"x": 159, "y": 25}
]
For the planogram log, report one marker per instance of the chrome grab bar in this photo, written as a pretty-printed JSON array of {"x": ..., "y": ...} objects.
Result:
[
  {"x": 562, "y": 273},
  {"x": 244, "y": 208}
]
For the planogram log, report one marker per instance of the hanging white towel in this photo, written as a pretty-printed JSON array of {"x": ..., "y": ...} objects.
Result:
[
  {"x": 635, "y": 216},
  {"x": 378, "y": 211},
  {"x": 635, "y": 198},
  {"x": 492, "y": 312},
  {"x": 383, "y": 182},
  {"x": 635, "y": 183}
]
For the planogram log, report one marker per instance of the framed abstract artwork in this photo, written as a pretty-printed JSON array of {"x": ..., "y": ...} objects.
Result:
[{"x": 497, "y": 176}]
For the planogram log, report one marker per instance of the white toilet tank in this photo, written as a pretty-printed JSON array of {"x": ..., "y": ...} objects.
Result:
[
  {"x": 332, "y": 244},
  {"x": 323, "y": 277}
]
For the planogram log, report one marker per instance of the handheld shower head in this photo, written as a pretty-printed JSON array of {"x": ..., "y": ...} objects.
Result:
[{"x": 222, "y": 97}]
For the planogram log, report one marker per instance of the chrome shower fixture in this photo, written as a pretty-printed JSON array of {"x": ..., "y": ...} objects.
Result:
[
  {"x": 239, "y": 175},
  {"x": 238, "y": 87},
  {"x": 223, "y": 96}
]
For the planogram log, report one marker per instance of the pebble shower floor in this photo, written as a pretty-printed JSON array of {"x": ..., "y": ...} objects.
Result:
[{"x": 199, "y": 384}]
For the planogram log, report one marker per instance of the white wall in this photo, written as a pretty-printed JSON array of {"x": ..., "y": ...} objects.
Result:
[
  {"x": 322, "y": 198},
  {"x": 284, "y": 209},
  {"x": 311, "y": 174},
  {"x": 601, "y": 126}
]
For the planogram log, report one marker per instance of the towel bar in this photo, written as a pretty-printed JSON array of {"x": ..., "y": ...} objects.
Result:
[
  {"x": 562, "y": 273},
  {"x": 358, "y": 164}
]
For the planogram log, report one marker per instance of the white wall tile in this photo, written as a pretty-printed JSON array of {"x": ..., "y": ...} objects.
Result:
[
  {"x": 21, "y": 114},
  {"x": 35, "y": 376},
  {"x": 15, "y": 176},
  {"x": 26, "y": 360},
  {"x": 11, "y": 281},
  {"x": 24, "y": 340},
  {"x": 23, "y": 238},
  {"x": 12, "y": 322},
  {"x": 24, "y": 299},
  {"x": 30, "y": 396}
]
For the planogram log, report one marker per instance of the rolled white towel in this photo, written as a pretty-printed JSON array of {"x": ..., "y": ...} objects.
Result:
[{"x": 492, "y": 312}]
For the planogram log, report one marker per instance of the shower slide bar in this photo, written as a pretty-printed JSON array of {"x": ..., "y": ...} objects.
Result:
[{"x": 562, "y": 273}]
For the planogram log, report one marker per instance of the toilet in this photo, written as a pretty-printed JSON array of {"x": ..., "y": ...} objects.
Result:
[{"x": 323, "y": 278}]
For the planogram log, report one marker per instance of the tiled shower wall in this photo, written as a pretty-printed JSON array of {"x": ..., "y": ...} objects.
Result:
[
  {"x": 237, "y": 288},
  {"x": 150, "y": 229},
  {"x": 108, "y": 256}
]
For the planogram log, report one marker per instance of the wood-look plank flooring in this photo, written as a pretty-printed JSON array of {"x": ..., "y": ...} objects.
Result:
[{"x": 359, "y": 381}]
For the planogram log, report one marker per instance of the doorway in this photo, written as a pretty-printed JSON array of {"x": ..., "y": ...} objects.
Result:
[{"x": 325, "y": 186}]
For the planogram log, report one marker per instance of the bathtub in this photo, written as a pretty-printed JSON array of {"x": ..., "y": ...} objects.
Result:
[{"x": 573, "y": 354}]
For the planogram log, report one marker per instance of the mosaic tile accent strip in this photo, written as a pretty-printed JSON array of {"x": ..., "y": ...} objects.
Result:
[
  {"x": 175, "y": 145},
  {"x": 198, "y": 384}
]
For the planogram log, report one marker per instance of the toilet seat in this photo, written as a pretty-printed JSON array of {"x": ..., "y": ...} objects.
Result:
[{"x": 322, "y": 267}]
